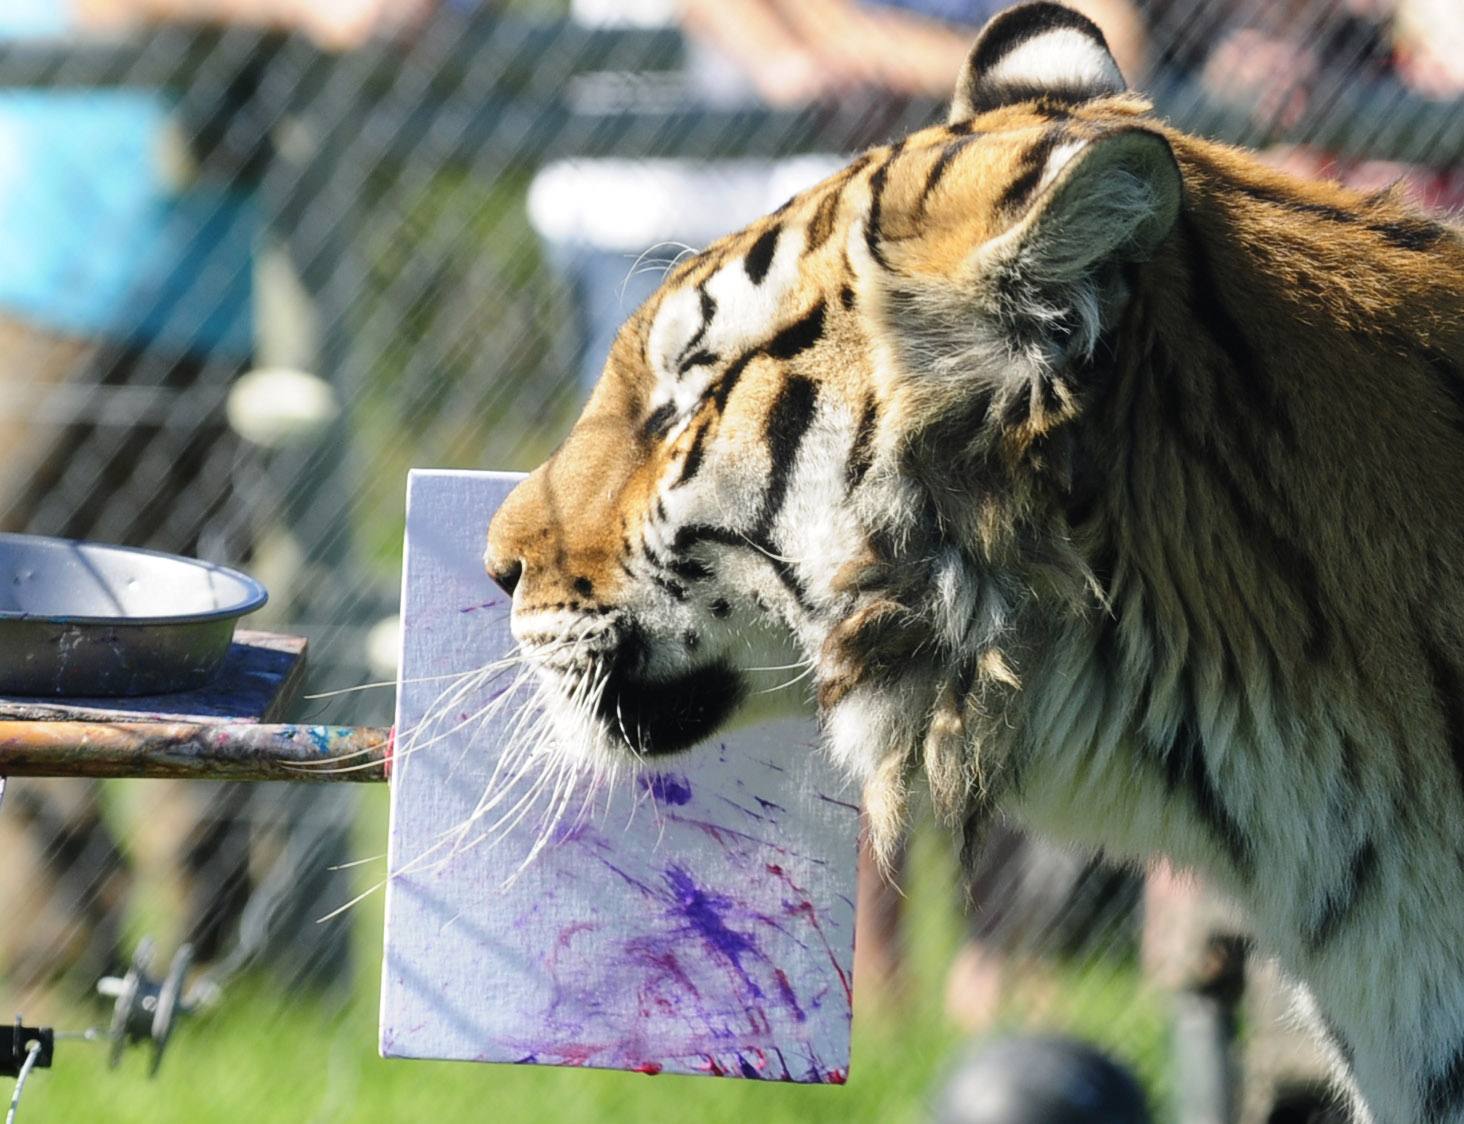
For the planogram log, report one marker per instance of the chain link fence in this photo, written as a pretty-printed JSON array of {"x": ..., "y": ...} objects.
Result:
[{"x": 254, "y": 268}]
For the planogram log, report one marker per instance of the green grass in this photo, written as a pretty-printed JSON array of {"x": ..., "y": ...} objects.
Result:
[{"x": 270, "y": 1057}]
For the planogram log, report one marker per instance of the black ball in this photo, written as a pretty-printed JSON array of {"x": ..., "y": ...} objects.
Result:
[{"x": 1038, "y": 1080}]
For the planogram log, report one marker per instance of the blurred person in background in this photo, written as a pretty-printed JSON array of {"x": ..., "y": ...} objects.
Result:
[
  {"x": 335, "y": 25},
  {"x": 793, "y": 53},
  {"x": 613, "y": 225},
  {"x": 125, "y": 314},
  {"x": 1286, "y": 59}
]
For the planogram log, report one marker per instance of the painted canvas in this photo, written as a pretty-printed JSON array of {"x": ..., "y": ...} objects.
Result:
[{"x": 694, "y": 920}]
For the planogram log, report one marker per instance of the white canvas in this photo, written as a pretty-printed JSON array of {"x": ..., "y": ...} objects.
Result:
[{"x": 699, "y": 920}]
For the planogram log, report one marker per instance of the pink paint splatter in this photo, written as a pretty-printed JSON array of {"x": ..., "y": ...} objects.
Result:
[{"x": 804, "y": 908}]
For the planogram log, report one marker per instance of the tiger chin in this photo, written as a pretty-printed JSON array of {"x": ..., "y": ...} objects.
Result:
[{"x": 1091, "y": 472}]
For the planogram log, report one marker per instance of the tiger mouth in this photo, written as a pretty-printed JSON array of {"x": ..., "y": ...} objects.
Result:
[{"x": 658, "y": 717}]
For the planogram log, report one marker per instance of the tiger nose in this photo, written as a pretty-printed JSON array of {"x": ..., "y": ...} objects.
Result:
[
  {"x": 511, "y": 531},
  {"x": 506, "y": 575},
  {"x": 504, "y": 559}
]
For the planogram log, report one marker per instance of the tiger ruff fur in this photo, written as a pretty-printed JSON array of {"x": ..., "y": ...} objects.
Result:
[{"x": 1098, "y": 472}]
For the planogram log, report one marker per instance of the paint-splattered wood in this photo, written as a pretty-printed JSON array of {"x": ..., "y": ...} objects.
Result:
[
  {"x": 257, "y": 682},
  {"x": 697, "y": 920},
  {"x": 247, "y": 751}
]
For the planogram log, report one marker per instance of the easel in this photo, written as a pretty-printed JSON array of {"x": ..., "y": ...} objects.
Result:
[{"x": 232, "y": 730}]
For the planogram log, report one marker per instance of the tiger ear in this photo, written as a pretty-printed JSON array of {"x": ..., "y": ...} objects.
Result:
[
  {"x": 1038, "y": 50},
  {"x": 1113, "y": 199},
  {"x": 1051, "y": 276}
]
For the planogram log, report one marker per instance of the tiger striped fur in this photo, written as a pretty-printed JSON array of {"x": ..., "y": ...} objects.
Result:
[{"x": 1100, "y": 474}]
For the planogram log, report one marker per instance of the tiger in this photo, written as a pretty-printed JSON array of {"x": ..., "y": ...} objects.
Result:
[{"x": 1097, "y": 475}]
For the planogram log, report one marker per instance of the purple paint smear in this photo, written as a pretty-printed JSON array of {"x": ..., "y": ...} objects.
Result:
[
  {"x": 668, "y": 788},
  {"x": 701, "y": 962},
  {"x": 705, "y": 914}
]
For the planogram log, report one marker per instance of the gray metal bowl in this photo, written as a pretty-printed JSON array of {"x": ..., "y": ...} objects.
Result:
[{"x": 84, "y": 619}]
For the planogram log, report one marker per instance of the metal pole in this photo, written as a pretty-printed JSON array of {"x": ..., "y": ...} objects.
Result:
[
  {"x": 1204, "y": 1034},
  {"x": 187, "y": 750}
]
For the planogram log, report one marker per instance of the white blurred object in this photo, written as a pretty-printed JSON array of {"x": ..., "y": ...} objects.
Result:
[
  {"x": 627, "y": 205},
  {"x": 276, "y": 407},
  {"x": 623, "y": 13},
  {"x": 383, "y": 647},
  {"x": 1430, "y": 40}
]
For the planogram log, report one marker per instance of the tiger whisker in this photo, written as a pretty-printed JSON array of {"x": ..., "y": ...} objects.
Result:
[
  {"x": 398, "y": 753},
  {"x": 356, "y": 862},
  {"x": 558, "y": 800},
  {"x": 809, "y": 670},
  {"x": 382, "y": 683},
  {"x": 778, "y": 667},
  {"x": 641, "y": 257},
  {"x": 357, "y": 900},
  {"x": 585, "y": 698}
]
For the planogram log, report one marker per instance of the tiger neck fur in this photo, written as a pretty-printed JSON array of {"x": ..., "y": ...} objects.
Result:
[{"x": 1220, "y": 614}]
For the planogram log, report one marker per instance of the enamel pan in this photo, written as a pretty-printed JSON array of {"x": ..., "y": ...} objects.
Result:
[{"x": 84, "y": 619}]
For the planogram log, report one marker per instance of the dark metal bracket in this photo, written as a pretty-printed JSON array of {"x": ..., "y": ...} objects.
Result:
[{"x": 15, "y": 1045}]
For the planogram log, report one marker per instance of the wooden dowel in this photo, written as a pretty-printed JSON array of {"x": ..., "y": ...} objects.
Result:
[{"x": 228, "y": 752}]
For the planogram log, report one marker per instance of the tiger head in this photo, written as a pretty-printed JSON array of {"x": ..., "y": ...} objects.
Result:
[{"x": 839, "y": 440}]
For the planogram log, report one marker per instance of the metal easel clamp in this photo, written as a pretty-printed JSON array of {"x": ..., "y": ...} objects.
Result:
[
  {"x": 15, "y": 1041},
  {"x": 146, "y": 1010}
]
